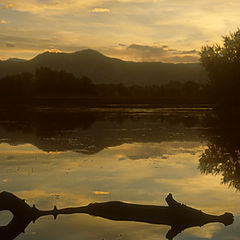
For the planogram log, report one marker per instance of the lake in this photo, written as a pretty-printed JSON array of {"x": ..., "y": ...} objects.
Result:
[{"x": 72, "y": 156}]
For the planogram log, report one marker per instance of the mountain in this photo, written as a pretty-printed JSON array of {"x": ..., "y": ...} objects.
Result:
[{"x": 103, "y": 69}]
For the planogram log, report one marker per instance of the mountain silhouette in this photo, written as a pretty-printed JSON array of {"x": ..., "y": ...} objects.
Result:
[{"x": 103, "y": 69}]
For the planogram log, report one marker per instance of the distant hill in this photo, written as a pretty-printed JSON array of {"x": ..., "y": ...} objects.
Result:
[{"x": 102, "y": 69}]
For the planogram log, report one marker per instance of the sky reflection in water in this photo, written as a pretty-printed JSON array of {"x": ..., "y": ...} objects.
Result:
[{"x": 138, "y": 172}]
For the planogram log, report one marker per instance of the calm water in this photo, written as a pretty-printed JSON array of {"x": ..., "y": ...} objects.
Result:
[{"x": 73, "y": 156}]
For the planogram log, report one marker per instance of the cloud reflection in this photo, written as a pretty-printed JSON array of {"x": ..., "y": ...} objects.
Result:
[{"x": 71, "y": 179}]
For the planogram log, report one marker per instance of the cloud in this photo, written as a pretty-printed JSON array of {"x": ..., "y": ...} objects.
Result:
[
  {"x": 100, "y": 193},
  {"x": 30, "y": 45},
  {"x": 3, "y": 21},
  {"x": 68, "y": 42},
  {"x": 188, "y": 52},
  {"x": 10, "y": 45},
  {"x": 153, "y": 53},
  {"x": 30, "y": 6},
  {"x": 54, "y": 50},
  {"x": 143, "y": 22},
  {"x": 51, "y": 7},
  {"x": 7, "y": 6},
  {"x": 100, "y": 10},
  {"x": 148, "y": 49},
  {"x": 184, "y": 59}
]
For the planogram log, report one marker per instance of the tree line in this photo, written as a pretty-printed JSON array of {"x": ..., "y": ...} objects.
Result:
[{"x": 46, "y": 82}]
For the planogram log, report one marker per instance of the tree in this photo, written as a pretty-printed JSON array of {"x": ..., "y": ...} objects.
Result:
[
  {"x": 222, "y": 63},
  {"x": 16, "y": 86},
  {"x": 222, "y": 157}
]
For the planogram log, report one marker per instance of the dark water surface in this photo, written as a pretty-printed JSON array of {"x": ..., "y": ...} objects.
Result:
[{"x": 69, "y": 156}]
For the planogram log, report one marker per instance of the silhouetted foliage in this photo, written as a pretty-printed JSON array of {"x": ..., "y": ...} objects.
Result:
[
  {"x": 48, "y": 83},
  {"x": 16, "y": 86},
  {"x": 217, "y": 160},
  {"x": 223, "y": 153},
  {"x": 222, "y": 63}
]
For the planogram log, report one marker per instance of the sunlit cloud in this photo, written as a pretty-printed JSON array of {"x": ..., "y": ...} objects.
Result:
[
  {"x": 100, "y": 10},
  {"x": 3, "y": 21},
  {"x": 6, "y": 6},
  {"x": 53, "y": 50},
  {"x": 100, "y": 193},
  {"x": 49, "y": 6},
  {"x": 32, "y": 6},
  {"x": 153, "y": 53}
]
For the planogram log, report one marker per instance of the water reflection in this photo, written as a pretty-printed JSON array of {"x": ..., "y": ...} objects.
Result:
[
  {"x": 69, "y": 157},
  {"x": 223, "y": 153},
  {"x": 90, "y": 130},
  {"x": 178, "y": 216}
]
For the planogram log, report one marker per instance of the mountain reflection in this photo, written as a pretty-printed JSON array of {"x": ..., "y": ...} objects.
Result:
[
  {"x": 176, "y": 215},
  {"x": 89, "y": 130},
  {"x": 223, "y": 153}
]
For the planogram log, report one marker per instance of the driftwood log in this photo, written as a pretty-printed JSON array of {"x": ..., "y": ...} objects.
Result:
[{"x": 176, "y": 215}]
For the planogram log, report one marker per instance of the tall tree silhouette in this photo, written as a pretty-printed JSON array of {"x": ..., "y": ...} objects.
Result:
[{"x": 222, "y": 63}]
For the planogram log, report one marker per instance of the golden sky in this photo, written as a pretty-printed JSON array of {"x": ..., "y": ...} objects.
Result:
[{"x": 138, "y": 30}]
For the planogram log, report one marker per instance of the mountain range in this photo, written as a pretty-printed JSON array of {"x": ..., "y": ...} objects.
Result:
[{"x": 103, "y": 69}]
